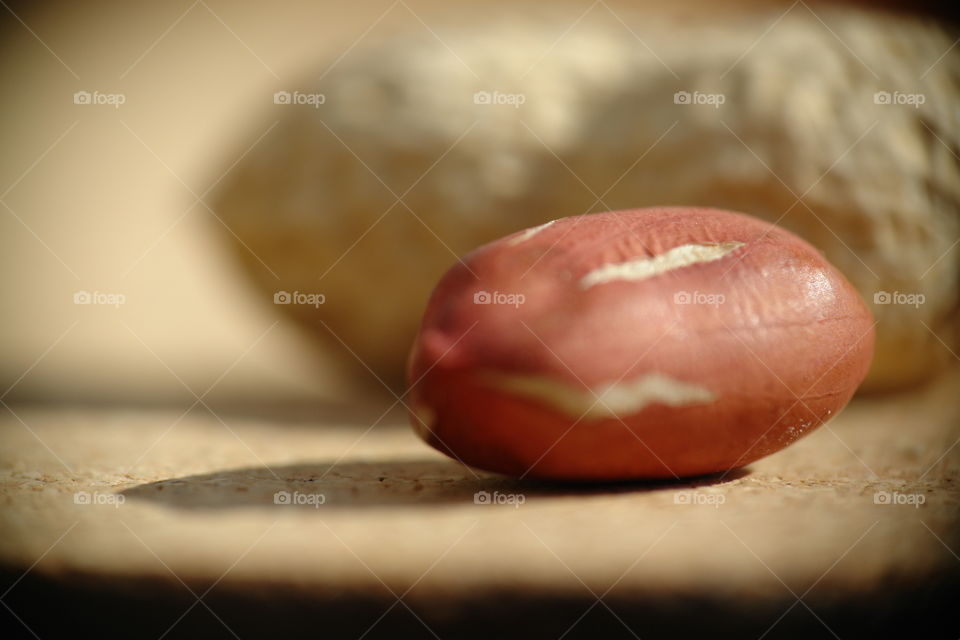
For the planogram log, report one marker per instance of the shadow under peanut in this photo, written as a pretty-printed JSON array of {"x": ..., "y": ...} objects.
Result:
[{"x": 321, "y": 486}]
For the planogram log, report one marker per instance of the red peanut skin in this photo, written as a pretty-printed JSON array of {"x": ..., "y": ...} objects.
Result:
[{"x": 783, "y": 353}]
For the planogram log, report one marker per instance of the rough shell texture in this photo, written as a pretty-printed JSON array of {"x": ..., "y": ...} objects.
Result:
[
  {"x": 880, "y": 183},
  {"x": 637, "y": 344}
]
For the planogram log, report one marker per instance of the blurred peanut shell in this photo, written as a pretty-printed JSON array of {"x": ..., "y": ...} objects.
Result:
[
  {"x": 652, "y": 343},
  {"x": 840, "y": 126}
]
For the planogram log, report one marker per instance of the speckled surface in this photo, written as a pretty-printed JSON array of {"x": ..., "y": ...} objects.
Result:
[{"x": 191, "y": 498}]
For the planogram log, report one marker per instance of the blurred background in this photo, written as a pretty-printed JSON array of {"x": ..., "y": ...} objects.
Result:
[
  {"x": 152, "y": 169},
  {"x": 105, "y": 199}
]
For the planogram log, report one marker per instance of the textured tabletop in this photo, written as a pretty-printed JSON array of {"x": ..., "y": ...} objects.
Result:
[{"x": 255, "y": 523}]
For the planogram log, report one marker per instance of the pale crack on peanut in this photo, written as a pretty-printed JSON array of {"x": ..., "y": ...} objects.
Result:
[
  {"x": 529, "y": 233},
  {"x": 642, "y": 268},
  {"x": 614, "y": 400}
]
